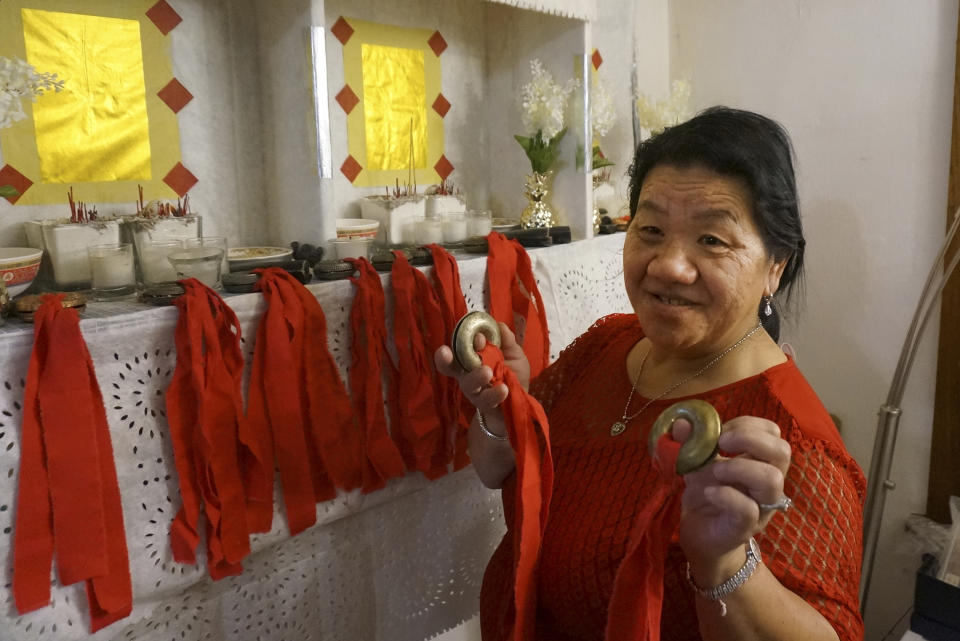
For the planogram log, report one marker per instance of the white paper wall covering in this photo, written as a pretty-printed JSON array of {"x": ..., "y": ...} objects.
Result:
[
  {"x": 580, "y": 9},
  {"x": 401, "y": 564}
]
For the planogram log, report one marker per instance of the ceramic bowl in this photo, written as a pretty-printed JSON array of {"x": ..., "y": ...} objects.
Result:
[
  {"x": 244, "y": 259},
  {"x": 18, "y": 267},
  {"x": 357, "y": 228}
]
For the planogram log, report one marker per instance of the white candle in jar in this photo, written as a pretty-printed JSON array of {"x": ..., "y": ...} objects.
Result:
[
  {"x": 429, "y": 231},
  {"x": 479, "y": 223},
  {"x": 154, "y": 265},
  {"x": 454, "y": 228},
  {"x": 111, "y": 266}
]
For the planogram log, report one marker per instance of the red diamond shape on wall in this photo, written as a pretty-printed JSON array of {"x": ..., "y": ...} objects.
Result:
[
  {"x": 443, "y": 167},
  {"x": 351, "y": 168},
  {"x": 441, "y": 105},
  {"x": 164, "y": 17},
  {"x": 12, "y": 177},
  {"x": 175, "y": 95},
  {"x": 347, "y": 99},
  {"x": 596, "y": 58},
  {"x": 437, "y": 43},
  {"x": 341, "y": 30},
  {"x": 180, "y": 179}
]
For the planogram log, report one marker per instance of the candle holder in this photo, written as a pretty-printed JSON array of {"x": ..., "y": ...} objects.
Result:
[
  {"x": 201, "y": 262},
  {"x": 112, "y": 274}
]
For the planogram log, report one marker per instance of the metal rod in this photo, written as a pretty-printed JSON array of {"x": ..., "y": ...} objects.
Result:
[{"x": 879, "y": 482}]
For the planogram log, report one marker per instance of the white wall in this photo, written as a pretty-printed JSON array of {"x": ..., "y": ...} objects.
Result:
[{"x": 865, "y": 89}]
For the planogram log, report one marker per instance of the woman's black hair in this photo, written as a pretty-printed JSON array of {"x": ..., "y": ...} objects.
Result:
[{"x": 744, "y": 145}]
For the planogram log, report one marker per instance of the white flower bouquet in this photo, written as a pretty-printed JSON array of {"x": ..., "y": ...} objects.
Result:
[
  {"x": 543, "y": 105},
  {"x": 19, "y": 79},
  {"x": 602, "y": 118},
  {"x": 657, "y": 115}
]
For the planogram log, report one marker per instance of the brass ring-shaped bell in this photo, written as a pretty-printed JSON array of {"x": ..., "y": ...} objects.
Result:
[
  {"x": 700, "y": 448},
  {"x": 464, "y": 333}
]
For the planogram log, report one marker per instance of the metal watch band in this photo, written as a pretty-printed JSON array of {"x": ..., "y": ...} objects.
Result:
[
  {"x": 486, "y": 431},
  {"x": 740, "y": 577}
]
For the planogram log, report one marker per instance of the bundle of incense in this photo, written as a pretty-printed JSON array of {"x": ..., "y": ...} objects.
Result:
[{"x": 78, "y": 210}]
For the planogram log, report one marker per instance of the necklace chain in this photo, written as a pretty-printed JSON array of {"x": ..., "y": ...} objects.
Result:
[{"x": 619, "y": 426}]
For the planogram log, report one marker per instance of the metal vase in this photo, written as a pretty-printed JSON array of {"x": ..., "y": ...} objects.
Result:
[{"x": 537, "y": 213}]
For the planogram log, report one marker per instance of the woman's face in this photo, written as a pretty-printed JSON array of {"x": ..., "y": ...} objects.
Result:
[{"x": 694, "y": 264}]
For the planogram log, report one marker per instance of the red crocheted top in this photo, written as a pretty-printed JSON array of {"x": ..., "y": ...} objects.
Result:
[{"x": 814, "y": 549}]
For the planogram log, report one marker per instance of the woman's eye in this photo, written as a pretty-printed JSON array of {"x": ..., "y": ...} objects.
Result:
[
  {"x": 711, "y": 241},
  {"x": 650, "y": 230}
]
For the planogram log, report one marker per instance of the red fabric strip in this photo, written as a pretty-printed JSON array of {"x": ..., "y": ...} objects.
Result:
[
  {"x": 69, "y": 498},
  {"x": 333, "y": 428},
  {"x": 528, "y": 431},
  {"x": 368, "y": 358},
  {"x": 418, "y": 429},
  {"x": 205, "y": 412},
  {"x": 455, "y": 410},
  {"x": 514, "y": 293},
  {"x": 277, "y": 380},
  {"x": 637, "y": 601}
]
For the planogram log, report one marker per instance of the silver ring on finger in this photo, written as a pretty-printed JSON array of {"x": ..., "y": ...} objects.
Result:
[{"x": 782, "y": 504}]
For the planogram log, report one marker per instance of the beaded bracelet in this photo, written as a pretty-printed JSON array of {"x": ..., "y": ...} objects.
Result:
[{"x": 486, "y": 431}]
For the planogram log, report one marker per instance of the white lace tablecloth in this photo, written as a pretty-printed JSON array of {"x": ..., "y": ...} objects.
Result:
[{"x": 404, "y": 563}]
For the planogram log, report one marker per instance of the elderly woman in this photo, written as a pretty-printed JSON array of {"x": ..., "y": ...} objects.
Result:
[{"x": 715, "y": 236}]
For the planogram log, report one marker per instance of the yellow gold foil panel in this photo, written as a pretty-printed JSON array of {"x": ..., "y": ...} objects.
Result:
[
  {"x": 396, "y": 107},
  {"x": 396, "y": 76},
  {"x": 96, "y": 129},
  {"x": 107, "y": 132}
]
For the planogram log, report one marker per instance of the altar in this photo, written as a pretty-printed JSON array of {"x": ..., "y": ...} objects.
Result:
[{"x": 403, "y": 563}]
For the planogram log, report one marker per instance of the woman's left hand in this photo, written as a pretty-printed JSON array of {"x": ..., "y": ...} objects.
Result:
[{"x": 721, "y": 500}]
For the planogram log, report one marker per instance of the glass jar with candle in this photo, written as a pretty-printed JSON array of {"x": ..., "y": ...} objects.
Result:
[
  {"x": 216, "y": 242},
  {"x": 479, "y": 222},
  {"x": 155, "y": 267},
  {"x": 429, "y": 231},
  {"x": 454, "y": 227},
  {"x": 201, "y": 262},
  {"x": 112, "y": 274}
]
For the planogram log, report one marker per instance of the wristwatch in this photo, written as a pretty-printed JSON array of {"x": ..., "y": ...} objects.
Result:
[{"x": 718, "y": 593}]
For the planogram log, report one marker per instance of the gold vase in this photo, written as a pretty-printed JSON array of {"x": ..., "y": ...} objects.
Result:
[{"x": 537, "y": 212}]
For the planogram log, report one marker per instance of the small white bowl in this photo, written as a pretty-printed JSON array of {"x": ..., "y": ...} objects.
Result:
[
  {"x": 18, "y": 267},
  {"x": 357, "y": 228}
]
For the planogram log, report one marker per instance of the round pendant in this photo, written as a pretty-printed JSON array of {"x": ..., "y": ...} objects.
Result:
[{"x": 617, "y": 428}]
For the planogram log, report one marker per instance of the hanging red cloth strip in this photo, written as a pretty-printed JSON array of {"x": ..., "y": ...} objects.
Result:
[
  {"x": 454, "y": 408},
  {"x": 205, "y": 412},
  {"x": 513, "y": 290},
  {"x": 637, "y": 600},
  {"x": 68, "y": 496},
  {"x": 529, "y": 436},
  {"x": 279, "y": 411},
  {"x": 417, "y": 428},
  {"x": 332, "y": 425},
  {"x": 368, "y": 358}
]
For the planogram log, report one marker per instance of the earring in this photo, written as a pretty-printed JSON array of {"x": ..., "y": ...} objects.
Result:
[{"x": 768, "y": 310}]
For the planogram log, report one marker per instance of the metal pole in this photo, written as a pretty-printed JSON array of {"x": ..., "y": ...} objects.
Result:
[{"x": 885, "y": 441}]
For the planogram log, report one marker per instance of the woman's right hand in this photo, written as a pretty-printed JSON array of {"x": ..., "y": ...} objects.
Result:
[
  {"x": 492, "y": 457},
  {"x": 475, "y": 385}
]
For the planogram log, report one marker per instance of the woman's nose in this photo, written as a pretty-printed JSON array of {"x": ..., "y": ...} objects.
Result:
[{"x": 672, "y": 263}]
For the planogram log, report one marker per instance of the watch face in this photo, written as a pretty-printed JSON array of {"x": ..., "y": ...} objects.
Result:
[{"x": 755, "y": 549}]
